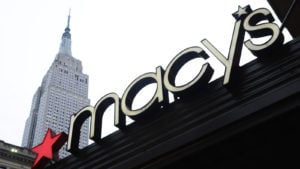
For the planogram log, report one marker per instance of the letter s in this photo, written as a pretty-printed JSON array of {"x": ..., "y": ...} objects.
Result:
[{"x": 260, "y": 30}]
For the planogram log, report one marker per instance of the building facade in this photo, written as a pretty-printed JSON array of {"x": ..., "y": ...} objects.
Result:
[
  {"x": 14, "y": 157},
  {"x": 30, "y": 125},
  {"x": 63, "y": 92}
]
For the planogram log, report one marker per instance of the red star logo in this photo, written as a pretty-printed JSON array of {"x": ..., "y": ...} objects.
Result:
[{"x": 48, "y": 149}]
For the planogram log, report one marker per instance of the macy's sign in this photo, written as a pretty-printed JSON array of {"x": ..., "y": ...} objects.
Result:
[{"x": 258, "y": 23}]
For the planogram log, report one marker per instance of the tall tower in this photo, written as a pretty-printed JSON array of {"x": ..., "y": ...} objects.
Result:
[{"x": 63, "y": 92}]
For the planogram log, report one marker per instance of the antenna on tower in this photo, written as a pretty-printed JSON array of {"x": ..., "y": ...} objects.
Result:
[{"x": 68, "y": 26}]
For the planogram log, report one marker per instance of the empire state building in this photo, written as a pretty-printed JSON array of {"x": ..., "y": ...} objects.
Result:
[{"x": 63, "y": 92}]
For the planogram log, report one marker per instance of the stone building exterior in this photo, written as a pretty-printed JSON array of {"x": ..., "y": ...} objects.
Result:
[
  {"x": 15, "y": 157},
  {"x": 63, "y": 92}
]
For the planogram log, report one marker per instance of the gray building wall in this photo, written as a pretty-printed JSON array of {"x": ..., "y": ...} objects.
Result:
[
  {"x": 63, "y": 92},
  {"x": 14, "y": 157}
]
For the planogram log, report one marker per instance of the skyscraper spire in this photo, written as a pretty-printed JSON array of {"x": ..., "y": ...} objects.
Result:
[
  {"x": 69, "y": 18},
  {"x": 65, "y": 45}
]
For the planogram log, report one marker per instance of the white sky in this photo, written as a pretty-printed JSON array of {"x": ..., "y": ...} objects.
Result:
[{"x": 116, "y": 41}]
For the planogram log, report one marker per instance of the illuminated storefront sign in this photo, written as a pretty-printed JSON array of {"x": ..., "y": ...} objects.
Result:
[{"x": 258, "y": 23}]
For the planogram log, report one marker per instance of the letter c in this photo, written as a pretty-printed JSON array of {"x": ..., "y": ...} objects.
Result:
[
  {"x": 177, "y": 62},
  {"x": 159, "y": 99}
]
